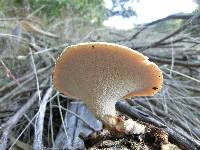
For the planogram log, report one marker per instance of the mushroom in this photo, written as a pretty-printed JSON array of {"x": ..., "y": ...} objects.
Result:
[{"x": 101, "y": 73}]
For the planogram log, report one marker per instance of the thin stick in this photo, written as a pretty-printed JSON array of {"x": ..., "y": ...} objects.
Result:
[
  {"x": 184, "y": 75},
  {"x": 51, "y": 124},
  {"x": 20, "y": 87},
  {"x": 13, "y": 36},
  {"x": 30, "y": 122},
  {"x": 176, "y": 137},
  {"x": 27, "y": 76},
  {"x": 172, "y": 63},
  {"x": 51, "y": 49},
  {"x": 36, "y": 76},
  {"x": 8, "y": 72},
  {"x": 38, "y": 144},
  {"x": 36, "y": 11},
  {"x": 14, "y": 119},
  {"x": 4, "y": 139},
  {"x": 64, "y": 125},
  {"x": 177, "y": 62}
]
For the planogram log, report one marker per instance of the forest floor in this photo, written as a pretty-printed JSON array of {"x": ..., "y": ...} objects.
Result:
[{"x": 30, "y": 109}]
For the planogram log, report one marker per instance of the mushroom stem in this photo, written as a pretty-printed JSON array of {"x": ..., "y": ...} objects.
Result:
[{"x": 103, "y": 107}]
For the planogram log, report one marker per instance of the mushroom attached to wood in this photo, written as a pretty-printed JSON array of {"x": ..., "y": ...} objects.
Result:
[{"x": 101, "y": 73}]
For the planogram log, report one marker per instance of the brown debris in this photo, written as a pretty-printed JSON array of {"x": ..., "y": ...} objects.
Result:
[{"x": 153, "y": 139}]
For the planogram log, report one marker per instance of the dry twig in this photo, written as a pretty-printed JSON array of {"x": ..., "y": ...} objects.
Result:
[{"x": 40, "y": 121}]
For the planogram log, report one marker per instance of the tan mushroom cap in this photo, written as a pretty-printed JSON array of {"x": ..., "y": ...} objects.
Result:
[{"x": 101, "y": 73}]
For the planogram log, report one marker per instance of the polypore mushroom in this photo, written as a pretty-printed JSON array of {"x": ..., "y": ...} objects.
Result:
[{"x": 102, "y": 73}]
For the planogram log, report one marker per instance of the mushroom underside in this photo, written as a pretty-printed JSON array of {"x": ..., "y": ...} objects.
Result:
[{"x": 100, "y": 74}]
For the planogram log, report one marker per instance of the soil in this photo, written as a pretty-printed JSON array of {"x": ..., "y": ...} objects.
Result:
[{"x": 153, "y": 139}]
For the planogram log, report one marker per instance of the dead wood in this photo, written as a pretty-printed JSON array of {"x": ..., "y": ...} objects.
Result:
[
  {"x": 177, "y": 31},
  {"x": 6, "y": 127},
  {"x": 175, "y": 16},
  {"x": 182, "y": 140},
  {"x": 176, "y": 62},
  {"x": 145, "y": 26},
  {"x": 38, "y": 144}
]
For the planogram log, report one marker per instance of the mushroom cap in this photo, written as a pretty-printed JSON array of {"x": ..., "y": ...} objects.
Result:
[{"x": 101, "y": 73}]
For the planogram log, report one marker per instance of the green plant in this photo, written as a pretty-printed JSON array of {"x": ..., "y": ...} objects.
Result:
[
  {"x": 88, "y": 9},
  {"x": 91, "y": 10}
]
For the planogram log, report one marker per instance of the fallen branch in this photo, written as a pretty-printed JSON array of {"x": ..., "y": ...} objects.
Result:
[
  {"x": 15, "y": 90},
  {"x": 37, "y": 145},
  {"x": 177, "y": 16},
  {"x": 183, "y": 17},
  {"x": 25, "y": 77},
  {"x": 161, "y": 113},
  {"x": 175, "y": 136},
  {"x": 176, "y": 62},
  {"x": 177, "y": 31},
  {"x": 7, "y": 126},
  {"x": 28, "y": 27}
]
